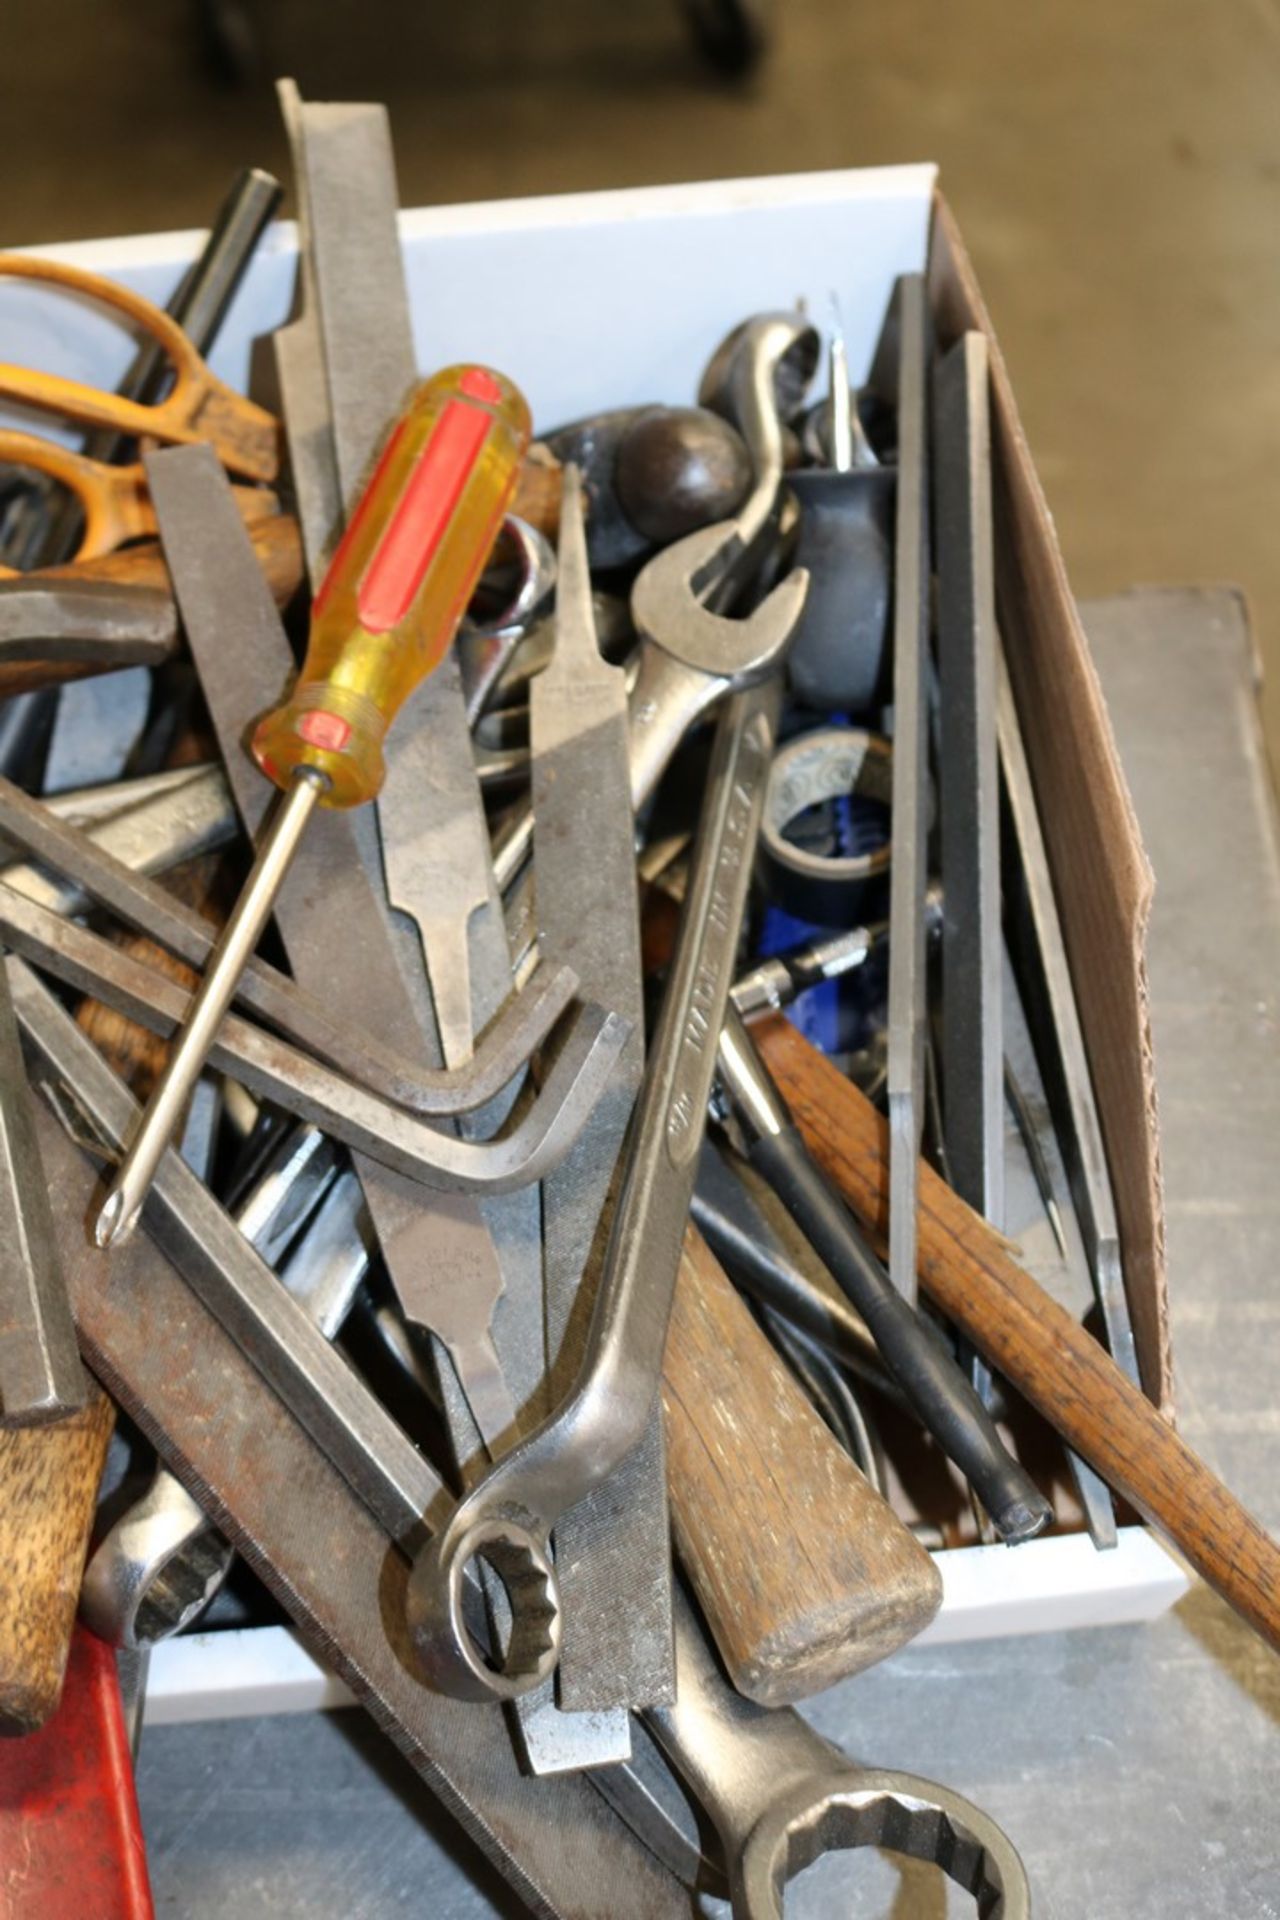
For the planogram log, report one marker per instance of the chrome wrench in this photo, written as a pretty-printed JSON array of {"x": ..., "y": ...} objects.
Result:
[
  {"x": 779, "y": 1796},
  {"x": 690, "y": 656},
  {"x": 509, "y": 1516}
]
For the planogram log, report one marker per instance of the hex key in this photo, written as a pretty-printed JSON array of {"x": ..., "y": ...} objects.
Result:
[
  {"x": 505, "y": 1047},
  {"x": 273, "y": 1069}
]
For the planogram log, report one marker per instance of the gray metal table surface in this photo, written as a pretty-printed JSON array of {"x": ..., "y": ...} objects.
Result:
[{"x": 1137, "y": 1768}]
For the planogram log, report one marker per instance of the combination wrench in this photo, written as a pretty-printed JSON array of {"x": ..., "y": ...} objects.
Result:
[
  {"x": 689, "y": 656},
  {"x": 215, "y": 1418},
  {"x": 779, "y": 1796},
  {"x": 508, "y": 1517}
]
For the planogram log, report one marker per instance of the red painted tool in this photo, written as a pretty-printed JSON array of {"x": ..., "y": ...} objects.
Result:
[{"x": 71, "y": 1843}]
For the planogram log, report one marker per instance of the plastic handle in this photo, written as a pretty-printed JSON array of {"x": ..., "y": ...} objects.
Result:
[{"x": 399, "y": 583}]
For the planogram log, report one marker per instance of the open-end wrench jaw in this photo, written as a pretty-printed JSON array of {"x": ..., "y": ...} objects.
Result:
[{"x": 667, "y": 609}]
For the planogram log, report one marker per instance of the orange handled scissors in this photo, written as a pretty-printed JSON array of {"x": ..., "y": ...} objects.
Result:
[
  {"x": 198, "y": 406},
  {"x": 115, "y": 501}
]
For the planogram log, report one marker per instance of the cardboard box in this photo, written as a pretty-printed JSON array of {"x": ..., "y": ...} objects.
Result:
[{"x": 599, "y": 300}]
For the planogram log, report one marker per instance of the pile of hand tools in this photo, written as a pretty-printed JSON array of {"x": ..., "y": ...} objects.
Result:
[{"x": 484, "y": 1228}]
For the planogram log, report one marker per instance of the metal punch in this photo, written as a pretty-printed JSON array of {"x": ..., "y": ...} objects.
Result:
[
  {"x": 505, "y": 1047},
  {"x": 509, "y": 1516},
  {"x": 364, "y": 1121}
]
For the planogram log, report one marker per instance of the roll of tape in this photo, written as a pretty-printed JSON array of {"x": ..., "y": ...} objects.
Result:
[{"x": 829, "y": 890}]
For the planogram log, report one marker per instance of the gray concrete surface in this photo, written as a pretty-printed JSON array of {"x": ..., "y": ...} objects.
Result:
[
  {"x": 1116, "y": 169},
  {"x": 1137, "y": 1768}
]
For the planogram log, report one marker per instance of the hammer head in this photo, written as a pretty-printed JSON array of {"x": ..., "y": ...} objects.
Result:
[
  {"x": 53, "y": 617},
  {"x": 667, "y": 609}
]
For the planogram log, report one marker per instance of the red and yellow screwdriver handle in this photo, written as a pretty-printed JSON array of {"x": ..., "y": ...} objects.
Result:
[{"x": 398, "y": 585}]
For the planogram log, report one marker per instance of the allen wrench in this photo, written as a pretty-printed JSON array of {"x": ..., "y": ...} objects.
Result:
[
  {"x": 272, "y": 1069},
  {"x": 507, "y": 1044}
]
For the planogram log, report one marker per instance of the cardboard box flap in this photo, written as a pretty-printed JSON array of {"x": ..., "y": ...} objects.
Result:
[{"x": 1101, "y": 873}]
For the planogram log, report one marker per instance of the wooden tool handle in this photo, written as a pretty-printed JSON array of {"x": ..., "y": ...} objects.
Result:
[
  {"x": 276, "y": 541},
  {"x": 129, "y": 1049},
  {"x": 802, "y": 1571},
  {"x": 967, "y": 1269},
  {"x": 538, "y": 489},
  {"x": 48, "y": 1487}
]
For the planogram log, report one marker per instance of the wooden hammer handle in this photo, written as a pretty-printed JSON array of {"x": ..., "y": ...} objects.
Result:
[
  {"x": 967, "y": 1269},
  {"x": 48, "y": 1488},
  {"x": 802, "y": 1571}
]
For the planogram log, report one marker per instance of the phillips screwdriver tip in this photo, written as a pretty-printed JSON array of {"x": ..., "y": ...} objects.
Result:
[{"x": 114, "y": 1223}]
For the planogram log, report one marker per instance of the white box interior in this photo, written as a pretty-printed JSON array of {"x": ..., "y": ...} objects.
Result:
[{"x": 592, "y": 301}]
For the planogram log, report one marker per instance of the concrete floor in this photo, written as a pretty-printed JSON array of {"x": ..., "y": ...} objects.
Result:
[{"x": 1116, "y": 170}]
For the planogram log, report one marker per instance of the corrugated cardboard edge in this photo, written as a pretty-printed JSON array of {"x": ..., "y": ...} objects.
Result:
[{"x": 1103, "y": 879}]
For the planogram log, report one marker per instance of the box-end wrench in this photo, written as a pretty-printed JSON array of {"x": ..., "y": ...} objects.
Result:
[
  {"x": 780, "y": 1796},
  {"x": 690, "y": 656},
  {"x": 304, "y": 1017},
  {"x": 507, "y": 1519}
]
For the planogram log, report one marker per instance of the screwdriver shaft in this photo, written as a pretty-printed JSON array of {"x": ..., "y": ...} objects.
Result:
[{"x": 230, "y": 957}]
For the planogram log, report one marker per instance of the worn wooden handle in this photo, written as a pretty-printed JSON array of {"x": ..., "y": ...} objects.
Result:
[
  {"x": 538, "y": 489},
  {"x": 802, "y": 1571},
  {"x": 48, "y": 1487},
  {"x": 137, "y": 1055},
  {"x": 968, "y": 1270}
]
